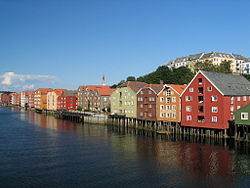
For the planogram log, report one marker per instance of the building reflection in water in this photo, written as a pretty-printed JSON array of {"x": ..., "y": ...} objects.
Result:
[{"x": 199, "y": 162}]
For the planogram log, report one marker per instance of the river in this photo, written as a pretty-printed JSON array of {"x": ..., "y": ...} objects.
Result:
[{"x": 40, "y": 151}]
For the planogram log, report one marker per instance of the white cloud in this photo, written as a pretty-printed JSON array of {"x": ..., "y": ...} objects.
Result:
[{"x": 19, "y": 82}]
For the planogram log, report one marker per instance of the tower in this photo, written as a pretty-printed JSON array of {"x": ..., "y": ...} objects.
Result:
[{"x": 103, "y": 80}]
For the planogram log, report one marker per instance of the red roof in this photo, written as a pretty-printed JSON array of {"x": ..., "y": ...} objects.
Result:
[
  {"x": 178, "y": 88},
  {"x": 105, "y": 91},
  {"x": 59, "y": 91}
]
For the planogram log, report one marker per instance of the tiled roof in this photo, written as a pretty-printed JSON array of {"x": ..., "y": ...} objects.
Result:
[
  {"x": 178, "y": 88},
  {"x": 229, "y": 84},
  {"x": 105, "y": 91},
  {"x": 59, "y": 91},
  {"x": 135, "y": 86},
  {"x": 156, "y": 87}
]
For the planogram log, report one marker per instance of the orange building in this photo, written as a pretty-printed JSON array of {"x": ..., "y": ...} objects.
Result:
[
  {"x": 169, "y": 103},
  {"x": 40, "y": 98}
]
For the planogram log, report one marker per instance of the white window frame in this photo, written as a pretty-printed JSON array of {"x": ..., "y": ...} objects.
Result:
[
  {"x": 173, "y": 99},
  {"x": 244, "y": 115},
  {"x": 214, "y": 109},
  {"x": 191, "y": 89},
  {"x": 188, "y": 98},
  {"x": 214, "y": 98},
  {"x": 214, "y": 119},
  {"x": 189, "y": 118},
  {"x": 209, "y": 88},
  {"x": 188, "y": 108}
]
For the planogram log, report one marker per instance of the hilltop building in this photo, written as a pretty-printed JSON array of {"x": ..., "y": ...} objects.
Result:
[{"x": 237, "y": 65}]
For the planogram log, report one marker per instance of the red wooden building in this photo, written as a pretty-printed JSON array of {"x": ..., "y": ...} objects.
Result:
[
  {"x": 210, "y": 99},
  {"x": 67, "y": 100},
  {"x": 147, "y": 101}
]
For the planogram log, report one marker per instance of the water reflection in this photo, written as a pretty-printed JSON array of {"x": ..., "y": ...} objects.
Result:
[{"x": 141, "y": 154}]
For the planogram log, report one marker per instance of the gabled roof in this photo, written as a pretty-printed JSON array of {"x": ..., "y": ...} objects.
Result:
[
  {"x": 105, "y": 91},
  {"x": 135, "y": 86},
  {"x": 155, "y": 87},
  {"x": 59, "y": 91},
  {"x": 229, "y": 84},
  {"x": 178, "y": 88}
]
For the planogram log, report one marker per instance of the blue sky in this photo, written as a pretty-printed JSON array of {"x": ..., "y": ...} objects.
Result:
[{"x": 75, "y": 42}]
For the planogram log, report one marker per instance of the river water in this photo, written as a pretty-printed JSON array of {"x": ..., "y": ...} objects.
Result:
[{"x": 40, "y": 151}]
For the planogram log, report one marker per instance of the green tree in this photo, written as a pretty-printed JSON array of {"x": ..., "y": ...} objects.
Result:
[{"x": 131, "y": 78}]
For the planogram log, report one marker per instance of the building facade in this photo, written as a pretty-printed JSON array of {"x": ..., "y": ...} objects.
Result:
[
  {"x": 94, "y": 97},
  {"x": 124, "y": 99},
  {"x": 147, "y": 101},
  {"x": 40, "y": 98},
  {"x": 67, "y": 100},
  {"x": 52, "y": 98},
  {"x": 210, "y": 99},
  {"x": 242, "y": 115},
  {"x": 216, "y": 58},
  {"x": 169, "y": 103}
]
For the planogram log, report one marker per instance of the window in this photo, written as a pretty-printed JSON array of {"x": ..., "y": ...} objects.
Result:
[
  {"x": 150, "y": 114},
  {"x": 188, "y": 108},
  {"x": 200, "y": 90},
  {"x": 244, "y": 98},
  {"x": 232, "y": 100},
  {"x": 167, "y": 107},
  {"x": 152, "y": 99},
  {"x": 238, "y": 98},
  {"x": 174, "y": 115},
  {"x": 167, "y": 115},
  {"x": 141, "y": 105},
  {"x": 189, "y": 118},
  {"x": 161, "y": 107},
  {"x": 200, "y": 99},
  {"x": 149, "y": 92},
  {"x": 244, "y": 115},
  {"x": 238, "y": 107},
  {"x": 161, "y": 115},
  {"x": 200, "y": 80},
  {"x": 174, "y": 107},
  {"x": 214, "y": 109},
  {"x": 200, "y": 109},
  {"x": 141, "y": 92},
  {"x": 168, "y": 93},
  {"x": 201, "y": 118},
  {"x": 150, "y": 106},
  {"x": 214, "y": 119},
  {"x": 214, "y": 98},
  {"x": 173, "y": 99},
  {"x": 161, "y": 99},
  {"x": 141, "y": 113},
  {"x": 231, "y": 108},
  {"x": 191, "y": 89},
  {"x": 188, "y": 98},
  {"x": 168, "y": 100}
]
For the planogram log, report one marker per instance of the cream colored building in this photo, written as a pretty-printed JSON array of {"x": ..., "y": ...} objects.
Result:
[
  {"x": 52, "y": 98},
  {"x": 215, "y": 57}
]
